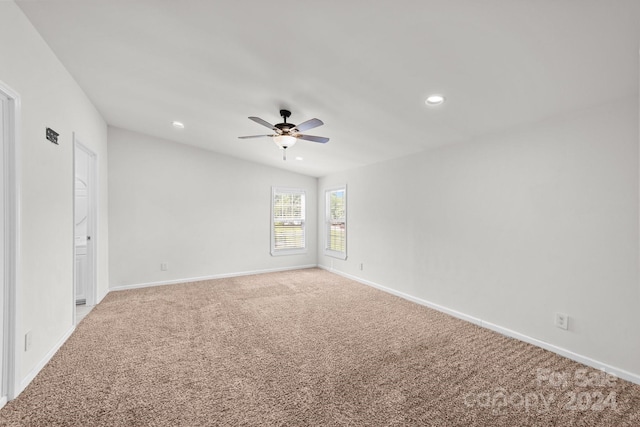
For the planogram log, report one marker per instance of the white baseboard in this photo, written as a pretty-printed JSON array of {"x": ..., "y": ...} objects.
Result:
[
  {"x": 3, "y": 401},
  {"x": 585, "y": 360},
  {"x": 101, "y": 296},
  {"x": 620, "y": 373},
  {"x": 32, "y": 374},
  {"x": 215, "y": 276}
]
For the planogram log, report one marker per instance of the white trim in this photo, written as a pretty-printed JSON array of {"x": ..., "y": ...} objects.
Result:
[
  {"x": 74, "y": 315},
  {"x": 92, "y": 223},
  {"x": 3, "y": 401},
  {"x": 36, "y": 369},
  {"x": 12, "y": 216},
  {"x": 287, "y": 252},
  {"x": 101, "y": 296},
  {"x": 620, "y": 373},
  {"x": 212, "y": 277}
]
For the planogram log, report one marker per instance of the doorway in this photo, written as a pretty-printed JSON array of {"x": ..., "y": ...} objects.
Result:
[
  {"x": 10, "y": 238},
  {"x": 4, "y": 101},
  {"x": 85, "y": 225}
]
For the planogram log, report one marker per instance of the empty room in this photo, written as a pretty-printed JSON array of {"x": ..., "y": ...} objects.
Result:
[{"x": 419, "y": 213}]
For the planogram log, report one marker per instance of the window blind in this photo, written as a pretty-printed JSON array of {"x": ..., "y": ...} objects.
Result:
[
  {"x": 336, "y": 222},
  {"x": 288, "y": 220}
]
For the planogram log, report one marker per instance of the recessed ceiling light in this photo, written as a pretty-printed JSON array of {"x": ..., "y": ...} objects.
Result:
[
  {"x": 299, "y": 158},
  {"x": 434, "y": 100},
  {"x": 178, "y": 125}
]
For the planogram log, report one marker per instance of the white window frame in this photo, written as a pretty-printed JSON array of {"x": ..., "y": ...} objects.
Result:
[
  {"x": 328, "y": 222},
  {"x": 278, "y": 251}
]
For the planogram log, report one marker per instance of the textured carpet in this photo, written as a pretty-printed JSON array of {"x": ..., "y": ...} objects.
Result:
[{"x": 305, "y": 348}]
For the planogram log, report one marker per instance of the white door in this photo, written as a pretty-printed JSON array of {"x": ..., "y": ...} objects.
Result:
[
  {"x": 81, "y": 234},
  {"x": 3, "y": 345},
  {"x": 9, "y": 238},
  {"x": 85, "y": 208}
]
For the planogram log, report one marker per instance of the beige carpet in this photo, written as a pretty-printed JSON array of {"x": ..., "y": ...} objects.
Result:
[{"x": 304, "y": 348}]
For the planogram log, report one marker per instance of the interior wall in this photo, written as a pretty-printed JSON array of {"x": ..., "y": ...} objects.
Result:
[
  {"x": 512, "y": 228},
  {"x": 50, "y": 98},
  {"x": 201, "y": 213}
]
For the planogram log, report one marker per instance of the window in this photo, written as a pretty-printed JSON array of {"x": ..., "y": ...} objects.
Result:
[
  {"x": 336, "y": 222},
  {"x": 287, "y": 221}
]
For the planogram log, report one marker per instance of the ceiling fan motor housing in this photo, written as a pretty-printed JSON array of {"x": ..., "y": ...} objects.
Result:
[{"x": 285, "y": 127}]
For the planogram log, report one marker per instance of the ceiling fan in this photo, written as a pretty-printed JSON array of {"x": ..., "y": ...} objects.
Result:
[{"x": 287, "y": 134}]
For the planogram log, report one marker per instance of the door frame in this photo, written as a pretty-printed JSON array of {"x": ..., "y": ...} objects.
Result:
[
  {"x": 92, "y": 223},
  {"x": 10, "y": 220}
]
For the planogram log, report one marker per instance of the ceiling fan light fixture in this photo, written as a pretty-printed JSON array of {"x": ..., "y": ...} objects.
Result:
[
  {"x": 284, "y": 141},
  {"x": 434, "y": 100}
]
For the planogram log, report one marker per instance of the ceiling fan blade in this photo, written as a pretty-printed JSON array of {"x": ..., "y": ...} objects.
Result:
[
  {"x": 265, "y": 123},
  {"x": 320, "y": 139},
  {"x": 309, "y": 124},
  {"x": 254, "y": 136}
]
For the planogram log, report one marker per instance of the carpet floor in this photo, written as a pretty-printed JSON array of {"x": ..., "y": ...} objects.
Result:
[{"x": 305, "y": 348}]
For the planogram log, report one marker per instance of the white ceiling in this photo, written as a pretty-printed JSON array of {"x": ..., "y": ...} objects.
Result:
[{"x": 363, "y": 67}]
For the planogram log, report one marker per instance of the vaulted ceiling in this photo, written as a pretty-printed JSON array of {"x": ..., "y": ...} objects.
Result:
[{"x": 363, "y": 67}]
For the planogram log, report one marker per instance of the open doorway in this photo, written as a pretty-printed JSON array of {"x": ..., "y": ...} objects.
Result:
[
  {"x": 10, "y": 238},
  {"x": 85, "y": 225}
]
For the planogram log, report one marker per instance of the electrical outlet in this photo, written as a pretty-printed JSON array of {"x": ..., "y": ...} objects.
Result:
[
  {"x": 562, "y": 321},
  {"x": 163, "y": 266},
  {"x": 361, "y": 266},
  {"x": 27, "y": 341}
]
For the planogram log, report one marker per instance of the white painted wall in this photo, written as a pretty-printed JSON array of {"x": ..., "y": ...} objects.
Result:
[
  {"x": 50, "y": 98},
  {"x": 202, "y": 213},
  {"x": 511, "y": 228}
]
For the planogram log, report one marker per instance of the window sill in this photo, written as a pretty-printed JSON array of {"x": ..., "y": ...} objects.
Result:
[
  {"x": 335, "y": 254},
  {"x": 284, "y": 252}
]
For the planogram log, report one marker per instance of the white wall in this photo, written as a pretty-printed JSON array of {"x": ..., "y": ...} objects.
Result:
[
  {"x": 50, "y": 98},
  {"x": 202, "y": 213},
  {"x": 512, "y": 228}
]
